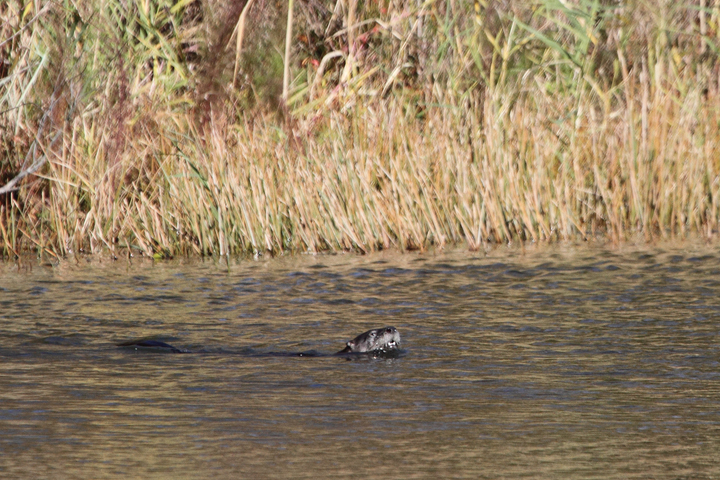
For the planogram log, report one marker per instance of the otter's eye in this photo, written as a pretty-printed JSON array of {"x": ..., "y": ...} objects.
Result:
[{"x": 373, "y": 333}]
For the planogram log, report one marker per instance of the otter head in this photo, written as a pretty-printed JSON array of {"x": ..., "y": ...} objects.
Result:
[{"x": 376, "y": 340}]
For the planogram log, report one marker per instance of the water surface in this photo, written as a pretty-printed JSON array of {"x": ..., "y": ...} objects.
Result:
[{"x": 563, "y": 361}]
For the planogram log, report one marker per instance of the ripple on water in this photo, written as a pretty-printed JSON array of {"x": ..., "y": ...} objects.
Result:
[{"x": 544, "y": 362}]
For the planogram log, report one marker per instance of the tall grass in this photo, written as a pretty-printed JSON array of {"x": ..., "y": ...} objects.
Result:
[{"x": 143, "y": 126}]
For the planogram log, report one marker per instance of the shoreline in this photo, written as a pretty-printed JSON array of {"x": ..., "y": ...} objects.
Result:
[{"x": 688, "y": 244}]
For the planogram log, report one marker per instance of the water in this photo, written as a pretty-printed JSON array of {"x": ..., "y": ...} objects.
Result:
[{"x": 562, "y": 361}]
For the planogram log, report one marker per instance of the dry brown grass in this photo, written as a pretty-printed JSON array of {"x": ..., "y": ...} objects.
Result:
[{"x": 494, "y": 133}]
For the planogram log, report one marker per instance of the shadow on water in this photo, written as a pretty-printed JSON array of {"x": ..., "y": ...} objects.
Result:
[{"x": 559, "y": 361}]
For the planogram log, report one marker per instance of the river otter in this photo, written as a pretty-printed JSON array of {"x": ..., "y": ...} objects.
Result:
[{"x": 377, "y": 340}]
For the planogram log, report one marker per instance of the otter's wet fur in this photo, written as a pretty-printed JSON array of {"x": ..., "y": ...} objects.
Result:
[{"x": 376, "y": 340}]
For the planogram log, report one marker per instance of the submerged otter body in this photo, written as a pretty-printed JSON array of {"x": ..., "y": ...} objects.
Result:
[
  {"x": 150, "y": 345},
  {"x": 376, "y": 340}
]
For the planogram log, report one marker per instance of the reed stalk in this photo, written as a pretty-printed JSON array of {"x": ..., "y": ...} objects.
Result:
[{"x": 406, "y": 125}]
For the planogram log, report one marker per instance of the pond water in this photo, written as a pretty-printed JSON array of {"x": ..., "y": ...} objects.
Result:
[{"x": 560, "y": 361}]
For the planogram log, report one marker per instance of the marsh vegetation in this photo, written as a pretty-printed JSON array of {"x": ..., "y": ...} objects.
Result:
[{"x": 188, "y": 127}]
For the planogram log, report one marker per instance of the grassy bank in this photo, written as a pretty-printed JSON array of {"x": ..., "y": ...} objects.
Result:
[{"x": 152, "y": 125}]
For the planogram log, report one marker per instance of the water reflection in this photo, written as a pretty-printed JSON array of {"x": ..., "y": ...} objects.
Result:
[{"x": 567, "y": 360}]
